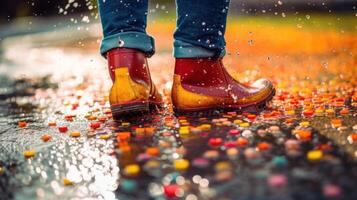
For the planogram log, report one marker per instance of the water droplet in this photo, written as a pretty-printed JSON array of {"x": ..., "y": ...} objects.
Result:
[{"x": 121, "y": 43}]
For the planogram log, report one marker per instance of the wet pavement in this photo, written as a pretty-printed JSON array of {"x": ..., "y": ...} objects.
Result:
[{"x": 59, "y": 141}]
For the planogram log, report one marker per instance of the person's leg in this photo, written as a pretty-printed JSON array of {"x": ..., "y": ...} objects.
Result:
[
  {"x": 126, "y": 47},
  {"x": 201, "y": 25},
  {"x": 124, "y": 24},
  {"x": 201, "y": 82}
]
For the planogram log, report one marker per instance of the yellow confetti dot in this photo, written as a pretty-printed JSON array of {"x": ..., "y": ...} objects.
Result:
[
  {"x": 132, "y": 169},
  {"x": 184, "y": 130},
  {"x": 29, "y": 153},
  {"x": 227, "y": 116},
  {"x": 125, "y": 123},
  {"x": 104, "y": 137},
  {"x": 67, "y": 182},
  {"x": 232, "y": 152},
  {"x": 290, "y": 112},
  {"x": 205, "y": 127},
  {"x": 244, "y": 124},
  {"x": 227, "y": 123},
  {"x": 314, "y": 155},
  {"x": 319, "y": 111},
  {"x": 330, "y": 111},
  {"x": 181, "y": 164},
  {"x": 305, "y": 123},
  {"x": 222, "y": 166},
  {"x": 237, "y": 121},
  {"x": 140, "y": 131},
  {"x": 75, "y": 134},
  {"x": 182, "y": 120}
]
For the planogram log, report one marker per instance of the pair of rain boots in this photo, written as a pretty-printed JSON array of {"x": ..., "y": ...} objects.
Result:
[{"x": 199, "y": 85}]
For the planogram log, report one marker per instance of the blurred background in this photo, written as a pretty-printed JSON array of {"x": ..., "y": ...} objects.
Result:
[
  {"x": 13, "y": 9},
  {"x": 255, "y": 28},
  {"x": 27, "y": 14}
]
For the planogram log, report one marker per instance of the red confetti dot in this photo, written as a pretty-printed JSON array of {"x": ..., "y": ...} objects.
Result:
[
  {"x": 170, "y": 190},
  {"x": 63, "y": 129},
  {"x": 308, "y": 113},
  {"x": 95, "y": 125},
  {"x": 234, "y": 132},
  {"x": 251, "y": 117},
  {"x": 230, "y": 144},
  {"x": 215, "y": 141}
]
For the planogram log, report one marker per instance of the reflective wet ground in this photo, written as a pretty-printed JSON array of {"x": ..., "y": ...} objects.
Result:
[{"x": 58, "y": 140}]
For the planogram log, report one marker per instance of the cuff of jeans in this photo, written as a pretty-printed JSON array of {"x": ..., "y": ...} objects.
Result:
[
  {"x": 132, "y": 40},
  {"x": 187, "y": 50}
]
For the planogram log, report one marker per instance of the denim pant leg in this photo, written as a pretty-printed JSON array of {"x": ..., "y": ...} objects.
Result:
[
  {"x": 124, "y": 25},
  {"x": 200, "y": 30}
]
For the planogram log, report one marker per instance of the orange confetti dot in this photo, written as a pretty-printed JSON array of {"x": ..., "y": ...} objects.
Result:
[
  {"x": 344, "y": 111},
  {"x": 45, "y": 137},
  {"x": 289, "y": 120},
  {"x": 303, "y": 135},
  {"x": 153, "y": 151},
  {"x": 125, "y": 148},
  {"x": 75, "y": 134},
  {"x": 354, "y": 136},
  {"x": 263, "y": 146},
  {"x": 150, "y": 130},
  {"x": 242, "y": 141},
  {"x": 22, "y": 124},
  {"x": 52, "y": 124},
  {"x": 336, "y": 123},
  {"x": 67, "y": 182},
  {"x": 91, "y": 117},
  {"x": 123, "y": 136}
]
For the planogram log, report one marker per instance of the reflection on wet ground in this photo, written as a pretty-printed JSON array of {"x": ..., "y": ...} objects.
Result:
[{"x": 58, "y": 139}]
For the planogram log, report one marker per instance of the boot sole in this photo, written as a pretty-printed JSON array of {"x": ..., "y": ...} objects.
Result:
[
  {"x": 133, "y": 109},
  {"x": 252, "y": 108}
]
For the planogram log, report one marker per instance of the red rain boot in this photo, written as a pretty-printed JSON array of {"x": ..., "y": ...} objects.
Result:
[
  {"x": 133, "y": 91},
  {"x": 203, "y": 84}
]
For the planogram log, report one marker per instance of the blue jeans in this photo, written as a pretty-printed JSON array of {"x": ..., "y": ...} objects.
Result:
[{"x": 200, "y": 30}]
